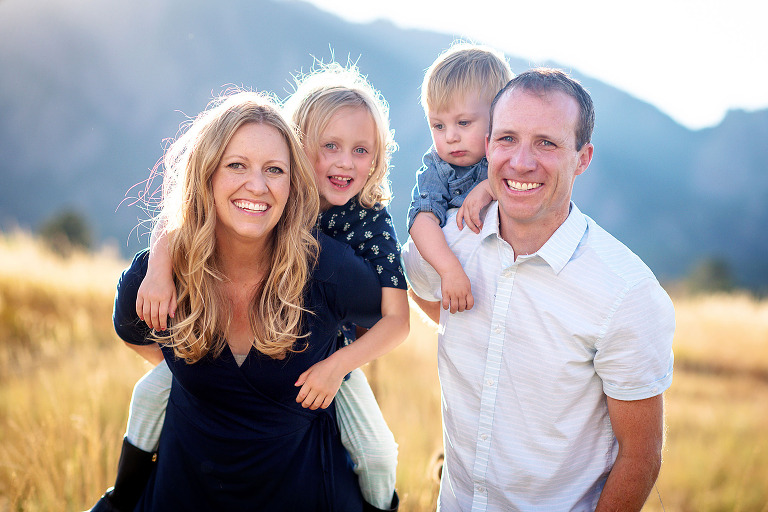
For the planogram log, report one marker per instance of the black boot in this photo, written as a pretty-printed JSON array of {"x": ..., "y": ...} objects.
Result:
[
  {"x": 133, "y": 471},
  {"x": 367, "y": 507}
]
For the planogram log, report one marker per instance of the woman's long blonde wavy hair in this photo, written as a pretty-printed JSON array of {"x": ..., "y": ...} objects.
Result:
[
  {"x": 203, "y": 314},
  {"x": 319, "y": 95}
]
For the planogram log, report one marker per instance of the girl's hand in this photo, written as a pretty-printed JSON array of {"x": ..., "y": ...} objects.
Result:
[
  {"x": 470, "y": 210},
  {"x": 156, "y": 300},
  {"x": 319, "y": 385},
  {"x": 456, "y": 290}
]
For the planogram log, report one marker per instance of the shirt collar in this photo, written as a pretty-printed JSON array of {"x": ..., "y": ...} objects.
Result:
[
  {"x": 558, "y": 250},
  {"x": 491, "y": 222}
]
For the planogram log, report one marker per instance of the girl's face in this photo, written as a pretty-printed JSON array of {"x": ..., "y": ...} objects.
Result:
[
  {"x": 344, "y": 156},
  {"x": 251, "y": 184}
]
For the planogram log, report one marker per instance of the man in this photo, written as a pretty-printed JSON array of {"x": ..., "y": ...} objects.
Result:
[{"x": 552, "y": 383}]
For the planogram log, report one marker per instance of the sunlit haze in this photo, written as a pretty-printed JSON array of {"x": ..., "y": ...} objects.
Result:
[{"x": 693, "y": 59}]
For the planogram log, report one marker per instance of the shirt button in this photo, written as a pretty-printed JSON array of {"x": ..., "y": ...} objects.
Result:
[
  {"x": 484, "y": 437},
  {"x": 489, "y": 382},
  {"x": 479, "y": 488},
  {"x": 498, "y": 330}
]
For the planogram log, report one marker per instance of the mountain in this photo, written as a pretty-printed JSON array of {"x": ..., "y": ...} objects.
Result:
[{"x": 91, "y": 89}]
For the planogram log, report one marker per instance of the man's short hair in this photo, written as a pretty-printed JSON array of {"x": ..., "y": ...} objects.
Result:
[{"x": 545, "y": 80}]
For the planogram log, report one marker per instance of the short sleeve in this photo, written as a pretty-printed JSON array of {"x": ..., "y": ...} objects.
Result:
[
  {"x": 380, "y": 247},
  {"x": 127, "y": 324},
  {"x": 423, "y": 279},
  {"x": 431, "y": 193},
  {"x": 634, "y": 358}
]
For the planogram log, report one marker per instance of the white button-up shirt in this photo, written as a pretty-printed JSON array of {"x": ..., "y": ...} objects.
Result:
[{"x": 525, "y": 372}]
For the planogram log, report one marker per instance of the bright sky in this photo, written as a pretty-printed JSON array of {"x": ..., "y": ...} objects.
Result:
[{"x": 693, "y": 59}]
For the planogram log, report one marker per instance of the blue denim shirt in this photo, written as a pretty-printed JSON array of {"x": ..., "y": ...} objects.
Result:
[{"x": 441, "y": 186}]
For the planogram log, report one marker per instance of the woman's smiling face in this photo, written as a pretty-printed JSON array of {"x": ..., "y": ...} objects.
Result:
[{"x": 251, "y": 184}]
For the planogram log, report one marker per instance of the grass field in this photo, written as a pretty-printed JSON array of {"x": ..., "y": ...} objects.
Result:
[{"x": 65, "y": 383}]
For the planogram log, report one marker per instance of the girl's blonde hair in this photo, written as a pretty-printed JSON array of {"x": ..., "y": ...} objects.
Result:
[
  {"x": 203, "y": 314},
  {"x": 319, "y": 95},
  {"x": 463, "y": 69}
]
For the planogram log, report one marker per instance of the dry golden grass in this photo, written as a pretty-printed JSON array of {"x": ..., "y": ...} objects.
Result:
[{"x": 65, "y": 383}]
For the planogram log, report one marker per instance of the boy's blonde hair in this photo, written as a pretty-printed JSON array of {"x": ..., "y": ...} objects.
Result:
[
  {"x": 319, "y": 95},
  {"x": 203, "y": 315},
  {"x": 463, "y": 69}
]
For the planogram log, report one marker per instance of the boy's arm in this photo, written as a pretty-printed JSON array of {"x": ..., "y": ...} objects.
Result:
[
  {"x": 156, "y": 299},
  {"x": 431, "y": 192},
  {"x": 320, "y": 383},
  {"x": 428, "y": 236},
  {"x": 473, "y": 205}
]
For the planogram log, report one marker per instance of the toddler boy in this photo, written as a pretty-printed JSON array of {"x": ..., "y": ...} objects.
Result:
[{"x": 456, "y": 95}]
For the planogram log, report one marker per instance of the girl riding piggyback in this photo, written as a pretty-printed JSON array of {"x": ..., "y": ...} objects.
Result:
[{"x": 343, "y": 124}]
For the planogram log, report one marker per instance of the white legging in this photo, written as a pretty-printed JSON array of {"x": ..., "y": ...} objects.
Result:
[{"x": 364, "y": 432}]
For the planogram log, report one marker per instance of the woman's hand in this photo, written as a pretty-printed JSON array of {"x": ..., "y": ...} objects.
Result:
[{"x": 319, "y": 384}]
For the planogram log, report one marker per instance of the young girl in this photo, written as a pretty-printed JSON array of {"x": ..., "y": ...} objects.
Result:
[{"x": 344, "y": 128}]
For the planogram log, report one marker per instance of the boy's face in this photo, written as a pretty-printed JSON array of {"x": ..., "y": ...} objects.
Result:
[{"x": 458, "y": 131}]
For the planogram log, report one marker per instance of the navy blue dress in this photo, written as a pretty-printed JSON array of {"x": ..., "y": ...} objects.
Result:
[
  {"x": 234, "y": 437},
  {"x": 371, "y": 233}
]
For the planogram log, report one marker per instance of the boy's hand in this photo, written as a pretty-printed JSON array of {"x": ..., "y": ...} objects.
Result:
[
  {"x": 456, "y": 290},
  {"x": 319, "y": 385},
  {"x": 472, "y": 206},
  {"x": 156, "y": 300}
]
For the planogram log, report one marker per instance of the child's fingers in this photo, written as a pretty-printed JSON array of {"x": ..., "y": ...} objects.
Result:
[
  {"x": 162, "y": 315},
  {"x": 155, "y": 315},
  {"x": 300, "y": 382},
  {"x": 317, "y": 403},
  {"x": 470, "y": 301},
  {"x": 140, "y": 307},
  {"x": 454, "y": 305},
  {"x": 147, "y": 313},
  {"x": 309, "y": 400},
  {"x": 477, "y": 222},
  {"x": 172, "y": 306},
  {"x": 460, "y": 218},
  {"x": 472, "y": 224},
  {"x": 303, "y": 393}
]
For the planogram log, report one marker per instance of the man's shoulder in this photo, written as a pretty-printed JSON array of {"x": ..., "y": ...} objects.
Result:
[
  {"x": 462, "y": 239},
  {"x": 617, "y": 258}
]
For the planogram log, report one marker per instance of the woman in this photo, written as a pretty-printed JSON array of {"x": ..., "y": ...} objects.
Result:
[{"x": 260, "y": 301}]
